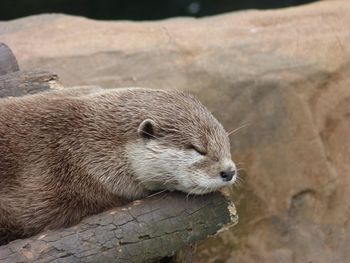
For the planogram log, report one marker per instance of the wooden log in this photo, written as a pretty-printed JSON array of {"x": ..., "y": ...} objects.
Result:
[
  {"x": 8, "y": 62},
  {"x": 145, "y": 231},
  {"x": 21, "y": 83},
  {"x": 15, "y": 83}
]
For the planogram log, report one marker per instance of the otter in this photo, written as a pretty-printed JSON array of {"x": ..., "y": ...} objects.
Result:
[{"x": 68, "y": 154}]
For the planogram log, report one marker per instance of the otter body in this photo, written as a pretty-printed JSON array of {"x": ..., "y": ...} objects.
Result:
[{"x": 66, "y": 155}]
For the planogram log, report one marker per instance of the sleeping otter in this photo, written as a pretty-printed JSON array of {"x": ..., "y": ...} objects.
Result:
[{"x": 69, "y": 154}]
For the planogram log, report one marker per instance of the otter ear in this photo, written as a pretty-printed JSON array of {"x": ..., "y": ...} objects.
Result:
[{"x": 147, "y": 129}]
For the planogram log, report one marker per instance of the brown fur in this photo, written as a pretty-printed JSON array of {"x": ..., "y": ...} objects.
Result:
[{"x": 57, "y": 148}]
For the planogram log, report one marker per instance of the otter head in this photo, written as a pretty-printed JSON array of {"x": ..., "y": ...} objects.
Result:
[{"x": 182, "y": 147}]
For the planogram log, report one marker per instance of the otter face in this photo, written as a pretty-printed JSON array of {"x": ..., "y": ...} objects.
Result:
[{"x": 192, "y": 165}]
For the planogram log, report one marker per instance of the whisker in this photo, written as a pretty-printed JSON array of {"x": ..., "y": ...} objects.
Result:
[
  {"x": 186, "y": 197},
  {"x": 154, "y": 179},
  {"x": 157, "y": 193},
  {"x": 150, "y": 134},
  {"x": 239, "y": 181},
  {"x": 237, "y": 129}
]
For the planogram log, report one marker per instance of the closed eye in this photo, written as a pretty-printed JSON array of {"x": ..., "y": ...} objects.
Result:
[{"x": 198, "y": 150}]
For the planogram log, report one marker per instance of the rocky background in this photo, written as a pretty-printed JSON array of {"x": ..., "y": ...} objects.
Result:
[{"x": 285, "y": 73}]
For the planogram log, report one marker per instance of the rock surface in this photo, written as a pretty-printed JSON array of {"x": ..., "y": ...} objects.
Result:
[{"x": 285, "y": 72}]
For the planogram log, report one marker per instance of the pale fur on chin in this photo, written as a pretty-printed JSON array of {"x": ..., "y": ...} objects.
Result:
[{"x": 158, "y": 167}]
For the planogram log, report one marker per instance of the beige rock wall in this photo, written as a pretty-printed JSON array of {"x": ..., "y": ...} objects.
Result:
[{"x": 285, "y": 72}]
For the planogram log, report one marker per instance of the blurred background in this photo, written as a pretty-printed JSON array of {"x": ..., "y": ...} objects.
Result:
[{"x": 135, "y": 9}]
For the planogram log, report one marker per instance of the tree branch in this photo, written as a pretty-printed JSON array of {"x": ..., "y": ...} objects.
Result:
[
  {"x": 144, "y": 231},
  {"x": 8, "y": 62},
  {"x": 19, "y": 83}
]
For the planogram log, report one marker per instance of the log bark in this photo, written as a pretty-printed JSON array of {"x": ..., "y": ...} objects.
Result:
[
  {"x": 144, "y": 231},
  {"x": 8, "y": 62},
  {"x": 21, "y": 83}
]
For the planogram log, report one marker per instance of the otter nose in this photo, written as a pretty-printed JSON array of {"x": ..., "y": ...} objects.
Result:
[{"x": 227, "y": 175}]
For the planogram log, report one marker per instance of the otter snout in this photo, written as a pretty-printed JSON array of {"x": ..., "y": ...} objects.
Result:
[
  {"x": 229, "y": 171},
  {"x": 227, "y": 175}
]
